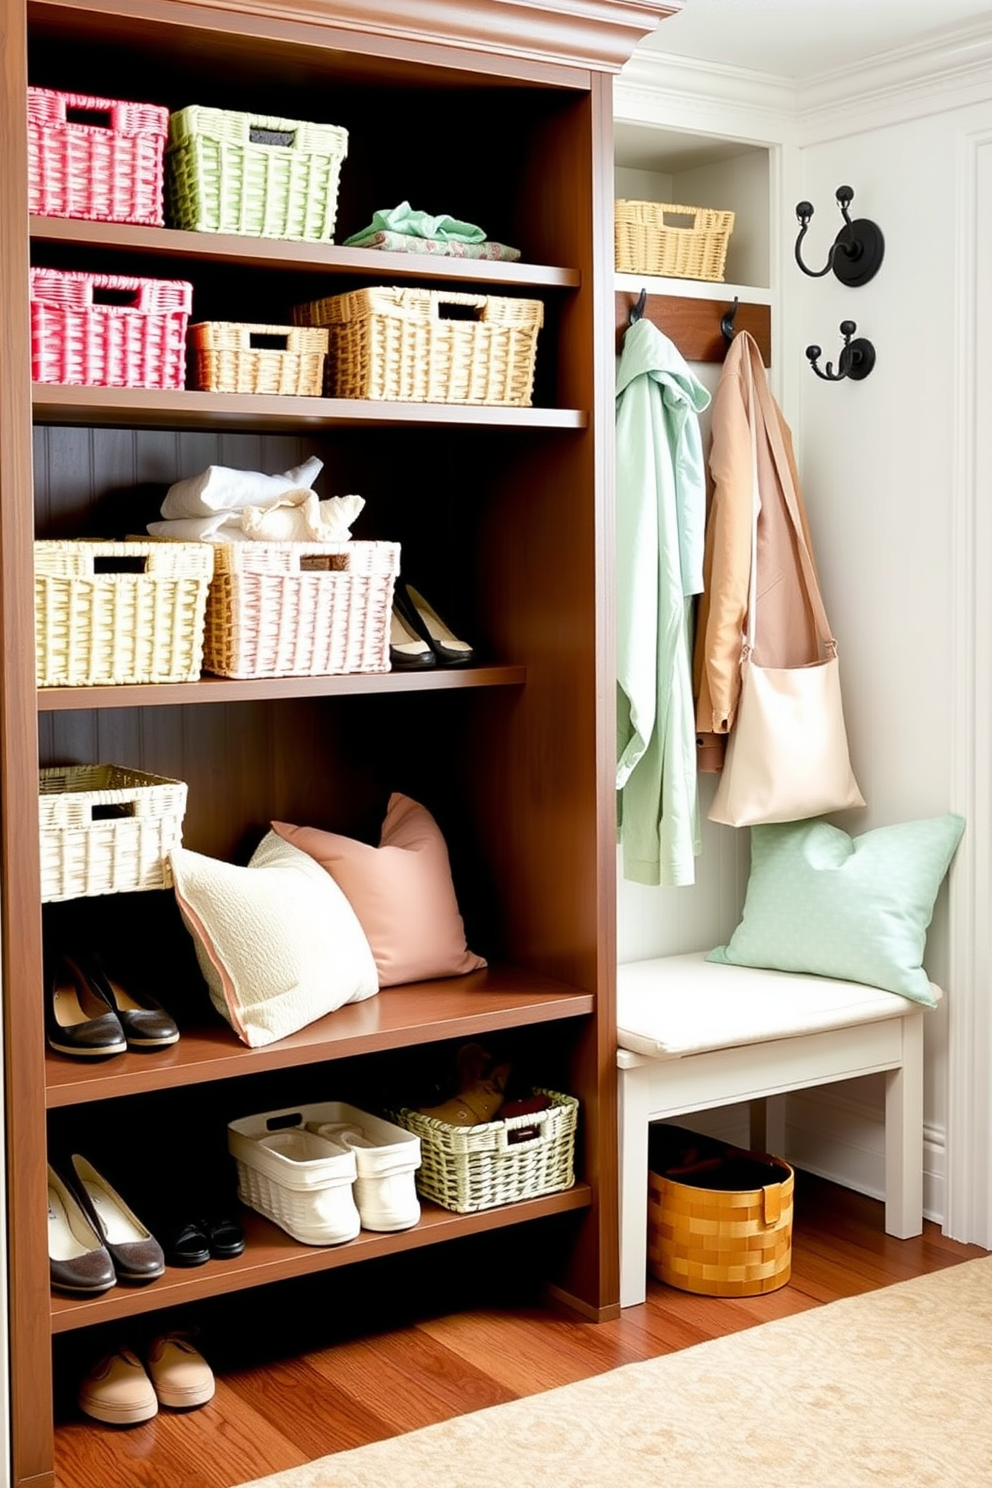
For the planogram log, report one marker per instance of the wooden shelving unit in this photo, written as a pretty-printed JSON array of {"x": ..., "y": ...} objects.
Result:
[{"x": 503, "y": 516}]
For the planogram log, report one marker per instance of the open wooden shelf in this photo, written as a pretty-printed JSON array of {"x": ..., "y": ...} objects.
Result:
[
  {"x": 272, "y": 1255},
  {"x": 417, "y": 1013},
  {"x": 234, "y": 690},
  {"x": 167, "y": 242},
  {"x": 151, "y": 408}
]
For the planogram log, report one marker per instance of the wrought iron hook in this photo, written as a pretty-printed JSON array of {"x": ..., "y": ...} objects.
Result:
[
  {"x": 637, "y": 309},
  {"x": 727, "y": 320},
  {"x": 857, "y": 251},
  {"x": 855, "y": 361}
]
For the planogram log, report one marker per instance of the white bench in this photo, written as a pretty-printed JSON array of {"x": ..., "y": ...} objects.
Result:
[{"x": 694, "y": 1035}]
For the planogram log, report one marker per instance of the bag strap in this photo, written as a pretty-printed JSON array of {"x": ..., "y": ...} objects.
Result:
[{"x": 760, "y": 394}]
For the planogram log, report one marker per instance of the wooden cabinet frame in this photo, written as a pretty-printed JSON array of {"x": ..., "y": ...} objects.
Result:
[{"x": 535, "y": 723}]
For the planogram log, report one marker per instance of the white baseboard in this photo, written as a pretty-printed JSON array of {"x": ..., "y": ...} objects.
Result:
[{"x": 837, "y": 1136}]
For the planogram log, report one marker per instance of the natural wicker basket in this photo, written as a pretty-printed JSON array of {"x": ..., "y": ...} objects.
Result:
[
  {"x": 648, "y": 241},
  {"x": 107, "y": 830},
  {"x": 465, "y": 1168},
  {"x": 230, "y": 357},
  {"x": 724, "y": 1229},
  {"x": 96, "y": 158},
  {"x": 254, "y": 175},
  {"x": 300, "y": 609},
  {"x": 398, "y": 344},
  {"x": 108, "y": 330},
  {"x": 111, "y": 613}
]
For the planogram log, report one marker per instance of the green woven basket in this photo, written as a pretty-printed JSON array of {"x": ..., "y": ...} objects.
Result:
[{"x": 253, "y": 175}]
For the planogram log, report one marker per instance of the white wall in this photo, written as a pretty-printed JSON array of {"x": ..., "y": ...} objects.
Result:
[{"x": 890, "y": 471}]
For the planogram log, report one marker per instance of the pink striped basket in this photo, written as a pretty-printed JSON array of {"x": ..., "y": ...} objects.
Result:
[
  {"x": 96, "y": 158},
  {"x": 108, "y": 330}
]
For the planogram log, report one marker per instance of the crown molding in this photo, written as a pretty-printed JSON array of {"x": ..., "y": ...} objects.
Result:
[
  {"x": 599, "y": 34},
  {"x": 925, "y": 77},
  {"x": 682, "y": 92}
]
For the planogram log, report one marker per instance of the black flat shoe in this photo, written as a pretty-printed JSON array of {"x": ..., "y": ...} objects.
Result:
[
  {"x": 198, "y": 1239},
  {"x": 79, "y": 1019},
  {"x": 145, "y": 1022},
  {"x": 426, "y": 623}
]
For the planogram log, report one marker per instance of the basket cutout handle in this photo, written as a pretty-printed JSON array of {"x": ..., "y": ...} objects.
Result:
[
  {"x": 534, "y": 1121},
  {"x": 772, "y": 1203},
  {"x": 459, "y": 306},
  {"x": 323, "y": 562},
  {"x": 102, "y": 294},
  {"x": 92, "y": 117},
  {"x": 111, "y": 810},
  {"x": 671, "y": 218},
  {"x": 285, "y": 1121},
  {"x": 267, "y": 341},
  {"x": 258, "y": 134},
  {"x": 109, "y": 565}
]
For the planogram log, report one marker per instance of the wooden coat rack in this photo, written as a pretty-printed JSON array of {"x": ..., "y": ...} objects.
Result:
[{"x": 695, "y": 325}]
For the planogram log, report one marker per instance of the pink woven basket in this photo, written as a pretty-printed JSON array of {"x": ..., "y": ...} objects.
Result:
[
  {"x": 96, "y": 158},
  {"x": 108, "y": 330}
]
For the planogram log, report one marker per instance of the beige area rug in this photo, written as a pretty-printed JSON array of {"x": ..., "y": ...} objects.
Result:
[{"x": 892, "y": 1388}]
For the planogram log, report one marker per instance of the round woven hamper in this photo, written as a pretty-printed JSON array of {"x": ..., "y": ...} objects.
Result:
[{"x": 727, "y": 1234}]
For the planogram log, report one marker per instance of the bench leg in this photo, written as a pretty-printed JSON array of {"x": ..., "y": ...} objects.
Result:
[
  {"x": 904, "y": 1135},
  {"x": 634, "y": 1113}
]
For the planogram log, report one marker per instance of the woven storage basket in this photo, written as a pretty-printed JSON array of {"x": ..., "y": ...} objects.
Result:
[
  {"x": 107, "y": 830},
  {"x": 294, "y": 1168},
  {"x": 724, "y": 1227},
  {"x": 97, "y": 158},
  {"x": 300, "y": 609},
  {"x": 465, "y": 1168},
  {"x": 254, "y": 175},
  {"x": 108, "y": 330},
  {"x": 399, "y": 344},
  {"x": 648, "y": 241},
  {"x": 296, "y": 1178},
  {"x": 229, "y": 357},
  {"x": 109, "y": 613}
]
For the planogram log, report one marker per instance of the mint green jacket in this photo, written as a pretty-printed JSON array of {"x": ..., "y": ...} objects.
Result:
[{"x": 661, "y": 516}]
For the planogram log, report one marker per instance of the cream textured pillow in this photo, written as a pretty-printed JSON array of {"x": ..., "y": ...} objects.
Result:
[
  {"x": 401, "y": 892},
  {"x": 278, "y": 943}
]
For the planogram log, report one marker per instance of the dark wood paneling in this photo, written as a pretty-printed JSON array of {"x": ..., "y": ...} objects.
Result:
[{"x": 694, "y": 324}]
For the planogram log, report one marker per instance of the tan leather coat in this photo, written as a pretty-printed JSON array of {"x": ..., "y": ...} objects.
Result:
[{"x": 785, "y": 630}]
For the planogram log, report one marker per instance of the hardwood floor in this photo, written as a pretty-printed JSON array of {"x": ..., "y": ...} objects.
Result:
[{"x": 304, "y": 1370}]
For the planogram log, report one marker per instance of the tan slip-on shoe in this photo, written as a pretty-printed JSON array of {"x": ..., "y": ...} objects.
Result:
[
  {"x": 180, "y": 1374},
  {"x": 118, "y": 1391}
]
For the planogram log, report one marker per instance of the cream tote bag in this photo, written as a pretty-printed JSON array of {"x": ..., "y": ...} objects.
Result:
[{"x": 787, "y": 756}]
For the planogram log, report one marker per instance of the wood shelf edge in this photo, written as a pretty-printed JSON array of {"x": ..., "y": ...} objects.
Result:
[
  {"x": 271, "y": 1255},
  {"x": 232, "y": 690},
  {"x": 396, "y": 1018},
  {"x": 274, "y": 253}
]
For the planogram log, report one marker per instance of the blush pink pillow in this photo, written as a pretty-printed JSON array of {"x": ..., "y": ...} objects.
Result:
[{"x": 401, "y": 892}]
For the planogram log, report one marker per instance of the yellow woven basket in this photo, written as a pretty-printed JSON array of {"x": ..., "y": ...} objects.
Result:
[
  {"x": 233, "y": 357},
  {"x": 723, "y": 1241},
  {"x": 113, "y": 613},
  {"x": 428, "y": 346},
  {"x": 672, "y": 241},
  {"x": 106, "y": 829}
]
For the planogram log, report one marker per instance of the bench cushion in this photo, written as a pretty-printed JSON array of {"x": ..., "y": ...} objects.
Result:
[{"x": 671, "y": 1006}]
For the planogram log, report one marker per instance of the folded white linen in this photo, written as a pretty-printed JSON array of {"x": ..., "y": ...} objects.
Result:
[
  {"x": 297, "y": 516},
  {"x": 220, "y": 488}
]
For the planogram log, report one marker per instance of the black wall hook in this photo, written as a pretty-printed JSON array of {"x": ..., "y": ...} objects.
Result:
[
  {"x": 637, "y": 309},
  {"x": 727, "y": 320},
  {"x": 857, "y": 251},
  {"x": 855, "y": 361}
]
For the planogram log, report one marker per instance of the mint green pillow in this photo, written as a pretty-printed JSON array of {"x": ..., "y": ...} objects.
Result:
[{"x": 856, "y": 908}]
